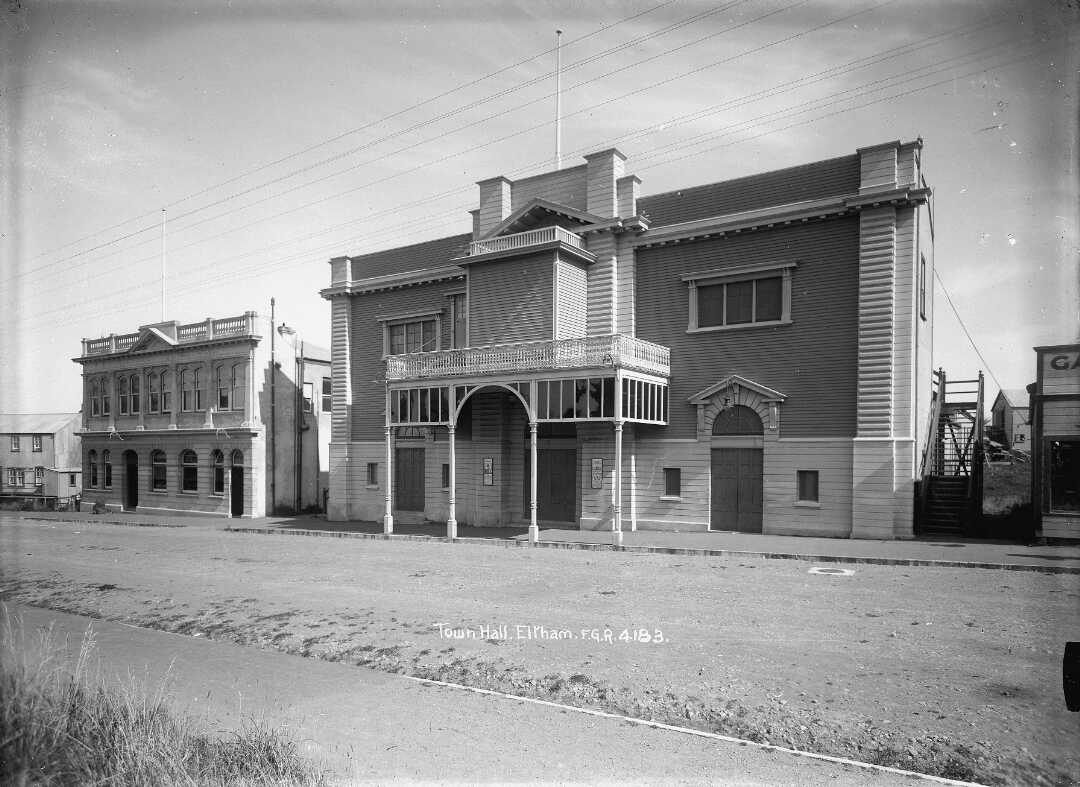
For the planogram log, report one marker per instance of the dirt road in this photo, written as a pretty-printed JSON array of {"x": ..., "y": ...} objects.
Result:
[
  {"x": 946, "y": 671},
  {"x": 365, "y": 725}
]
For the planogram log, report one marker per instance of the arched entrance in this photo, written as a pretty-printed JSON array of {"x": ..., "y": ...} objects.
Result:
[
  {"x": 737, "y": 464},
  {"x": 236, "y": 483},
  {"x": 131, "y": 480}
]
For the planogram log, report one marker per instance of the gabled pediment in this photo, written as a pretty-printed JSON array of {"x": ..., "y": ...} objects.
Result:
[
  {"x": 152, "y": 339},
  {"x": 733, "y": 383},
  {"x": 539, "y": 212}
]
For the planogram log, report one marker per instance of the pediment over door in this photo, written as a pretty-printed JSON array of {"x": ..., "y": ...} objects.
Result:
[{"x": 732, "y": 391}]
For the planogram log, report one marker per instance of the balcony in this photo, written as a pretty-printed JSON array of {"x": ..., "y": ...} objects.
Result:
[
  {"x": 616, "y": 351},
  {"x": 524, "y": 240}
]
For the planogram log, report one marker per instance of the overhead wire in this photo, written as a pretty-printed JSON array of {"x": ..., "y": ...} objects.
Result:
[
  {"x": 528, "y": 129},
  {"x": 263, "y": 267},
  {"x": 380, "y": 121},
  {"x": 963, "y": 327},
  {"x": 454, "y": 191}
]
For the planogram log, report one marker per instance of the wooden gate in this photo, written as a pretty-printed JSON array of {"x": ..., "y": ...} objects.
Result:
[
  {"x": 409, "y": 479},
  {"x": 736, "y": 489}
]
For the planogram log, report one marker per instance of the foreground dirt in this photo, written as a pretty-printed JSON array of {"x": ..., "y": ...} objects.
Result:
[{"x": 945, "y": 671}]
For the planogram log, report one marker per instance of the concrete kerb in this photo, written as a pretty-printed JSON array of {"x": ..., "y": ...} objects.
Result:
[
  {"x": 681, "y": 551},
  {"x": 119, "y": 522}
]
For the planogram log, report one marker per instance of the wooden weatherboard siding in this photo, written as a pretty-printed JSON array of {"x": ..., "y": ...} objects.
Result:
[
  {"x": 512, "y": 300},
  {"x": 366, "y": 335},
  {"x": 812, "y": 360},
  {"x": 571, "y": 290}
]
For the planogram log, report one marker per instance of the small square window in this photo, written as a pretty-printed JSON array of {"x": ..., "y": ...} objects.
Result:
[
  {"x": 373, "y": 474},
  {"x": 672, "y": 482},
  {"x": 71, "y": 479},
  {"x": 807, "y": 486}
]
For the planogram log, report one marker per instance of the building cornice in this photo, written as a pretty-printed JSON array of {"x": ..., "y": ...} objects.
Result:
[
  {"x": 780, "y": 215},
  {"x": 394, "y": 281}
]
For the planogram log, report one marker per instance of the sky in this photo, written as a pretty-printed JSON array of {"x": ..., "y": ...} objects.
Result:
[{"x": 272, "y": 136}]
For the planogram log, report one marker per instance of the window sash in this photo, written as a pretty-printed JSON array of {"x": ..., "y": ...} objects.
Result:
[
  {"x": 15, "y": 443},
  {"x": 35, "y": 442},
  {"x": 808, "y": 486},
  {"x": 158, "y": 473}
]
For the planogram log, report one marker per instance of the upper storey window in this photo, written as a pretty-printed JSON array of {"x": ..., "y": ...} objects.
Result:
[
  {"x": 411, "y": 336},
  {"x": 738, "y": 297}
]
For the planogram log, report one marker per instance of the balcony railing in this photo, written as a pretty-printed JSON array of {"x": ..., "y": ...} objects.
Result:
[
  {"x": 243, "y": 325},
  {"x": 521, "y": 240},
  {"x": 614, "y": 351}
]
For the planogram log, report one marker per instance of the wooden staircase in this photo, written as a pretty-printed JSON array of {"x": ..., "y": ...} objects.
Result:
[{"x": 949, "y": 501}]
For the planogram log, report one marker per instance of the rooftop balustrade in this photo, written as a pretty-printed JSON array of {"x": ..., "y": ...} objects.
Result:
[
  {"x": 591, "y": 352},
  {"x": 242, "y": 325}
]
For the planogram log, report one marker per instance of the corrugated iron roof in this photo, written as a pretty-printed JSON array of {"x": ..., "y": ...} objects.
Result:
[
  {"x": 35, "y": 423},
  {"x": 419, "y": 256}
]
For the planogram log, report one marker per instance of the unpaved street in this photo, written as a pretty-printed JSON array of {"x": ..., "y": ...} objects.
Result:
[{"x": 949, "y": 671}]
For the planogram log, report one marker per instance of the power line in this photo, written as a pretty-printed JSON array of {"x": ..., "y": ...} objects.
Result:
[
  {"x": 306, "y": 254},
  {"x": 528, "y": 129},
  {"x": 960, "y": 320},
  {"x": 373, "y": 124},
  {"x": 800, "y": 108}
]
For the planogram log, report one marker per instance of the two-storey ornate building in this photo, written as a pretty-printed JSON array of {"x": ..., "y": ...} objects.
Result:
[
  {"x": 207, "y": 417},
  {"x": 748, "y": 355}
]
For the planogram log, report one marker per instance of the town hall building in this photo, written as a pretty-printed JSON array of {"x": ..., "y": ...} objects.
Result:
[{"x": 750, "y": 355}]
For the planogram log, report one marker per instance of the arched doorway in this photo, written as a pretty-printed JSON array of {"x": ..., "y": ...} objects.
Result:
[
  {"x": 737, "y": 464},
  {"x": 131, "y": 480},
  {"x": 236, "y": 482}
]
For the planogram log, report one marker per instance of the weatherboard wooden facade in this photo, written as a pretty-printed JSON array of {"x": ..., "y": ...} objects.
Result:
[{"x": 746, "y": 355}]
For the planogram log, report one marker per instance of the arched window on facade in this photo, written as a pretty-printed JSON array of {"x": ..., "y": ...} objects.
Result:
[
  {"x": 189, "y": 469},
  {"x": 166, "y": 392},
  {"x": 91, "y": 466},
  {"x": 738, "y": 420},
  {"x": 196, "y": 375},
  {"x": 158, "y": 477},
  {"x": 106, "y": 397},
  {"x": 218, "y": 460},
  {"x": 237, "y": 458},
  {"x": 135, "y": 390},
  {"x": 122, "y": 396},
  {"x": 106, "y": 462},
  {"x": 95, "y": 397}
]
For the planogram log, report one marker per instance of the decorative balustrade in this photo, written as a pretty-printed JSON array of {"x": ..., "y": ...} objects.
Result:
[
  {"x": 614, "y": 351},
  {"x": 243, "y": 325},
  {"x": 520, "y": 240}
]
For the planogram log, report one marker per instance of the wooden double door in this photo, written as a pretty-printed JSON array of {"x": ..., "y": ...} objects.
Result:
[
  {"x": 556, "y": 484},
  {"x": 737, "y": 489},
  {"x": 409, "y": 479}
]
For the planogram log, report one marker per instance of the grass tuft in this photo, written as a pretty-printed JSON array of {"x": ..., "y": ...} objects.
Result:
[{"x": 61, "y": 725}]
